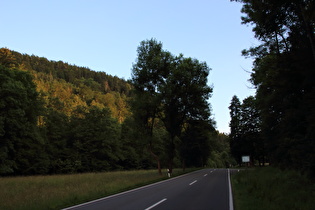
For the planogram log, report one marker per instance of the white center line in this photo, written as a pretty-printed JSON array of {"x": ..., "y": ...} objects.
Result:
[
  {"x": 154, "y": 205},
  {"x": 205, "y": 175},
  {"x": 193, "y": 182}
]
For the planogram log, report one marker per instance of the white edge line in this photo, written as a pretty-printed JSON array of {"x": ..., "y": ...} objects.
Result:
[
  {"x": 154, "y": 205},
  {"x": 193, "y": 182},
  {"x": 230, "y": 192},
  {"x": 125, "y": 192}
]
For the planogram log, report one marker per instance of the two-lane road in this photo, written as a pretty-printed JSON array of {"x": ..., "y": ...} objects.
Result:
[{"x": 203, "y": 189}]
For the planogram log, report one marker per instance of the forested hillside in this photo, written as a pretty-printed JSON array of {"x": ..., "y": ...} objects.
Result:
[
  {"x": 66, "y": 87},
  {"x": 60, "y": 118},
  {"x": 67, "y": 104}
]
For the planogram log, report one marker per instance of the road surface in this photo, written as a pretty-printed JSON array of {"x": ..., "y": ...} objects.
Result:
[{"x": 203, "y": 189}]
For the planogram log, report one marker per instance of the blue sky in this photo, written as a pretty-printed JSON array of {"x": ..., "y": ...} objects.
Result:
[{"x": 104, "y": 35}]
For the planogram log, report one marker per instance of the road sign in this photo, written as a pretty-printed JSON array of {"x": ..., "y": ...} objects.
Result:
[{"x": 245, "y": 159}]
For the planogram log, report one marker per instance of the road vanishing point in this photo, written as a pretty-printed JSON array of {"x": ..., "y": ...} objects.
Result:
[{"x": 208, "y": 189}]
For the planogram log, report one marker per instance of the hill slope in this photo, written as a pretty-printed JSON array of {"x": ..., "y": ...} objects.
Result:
[
  {"x": 60, "y": 118},
  {"x": 66, "y": 87}
]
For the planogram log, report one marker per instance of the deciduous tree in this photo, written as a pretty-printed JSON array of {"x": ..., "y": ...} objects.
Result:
[{"x": 173, "y": 89}]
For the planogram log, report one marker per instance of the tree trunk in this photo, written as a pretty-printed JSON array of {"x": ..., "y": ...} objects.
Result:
[
  {"x": 156, "y": 158},
  {"x": 171, "y": 155},
  {"x": 184, "y": 165},
  {"x": 263, "y": 160}
]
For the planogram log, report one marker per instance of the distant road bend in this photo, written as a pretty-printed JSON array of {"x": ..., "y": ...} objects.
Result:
[{"x": 203, "y": 189}]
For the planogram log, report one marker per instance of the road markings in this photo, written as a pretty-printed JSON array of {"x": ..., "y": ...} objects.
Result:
[
  {"x": 193, "y": 182},
  {"x": 125, "y": 192},
  {"x": 154, "y": 205},
  {"x": 231, "y": 205},
  {"x": 205, "y": 175}
]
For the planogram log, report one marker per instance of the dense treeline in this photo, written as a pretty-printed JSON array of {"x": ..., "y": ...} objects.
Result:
[
  {"x": 284, "y": 77},
  {"x": 59, "y": 118},
  {"x": 245, "y": 136}
]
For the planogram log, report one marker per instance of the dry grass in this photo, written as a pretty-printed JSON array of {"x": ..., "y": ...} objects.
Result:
[{"x": 58, "y": 191}]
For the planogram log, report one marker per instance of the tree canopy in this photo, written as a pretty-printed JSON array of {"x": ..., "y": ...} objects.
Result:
[{"x": 175, "y": 90}]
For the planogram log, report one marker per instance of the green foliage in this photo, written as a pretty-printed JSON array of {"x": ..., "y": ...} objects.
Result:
[
  {"x": 95, "y": 139},
  {"x": 185, "y": 94},
  {"x": 6, "y": 58},
  {"x": 235, "y": 125},
  {"x": 245, "y": 136},
  {"x": 56, "y": 126},
  {"x": 220, "y": 156},
  {"x": 56, "y": 132},
  {"x": 196, "y": 145},
  {"x": 21, "y": 145},
  {"x": 60, "y": 118},
  {"x": 284, "y": 76},
  {"x": 133, "y": 156},
  {"x": 64, "y": 87},
  {"x": 97, "y": 81},
  {"x": 171, "y": 89}
]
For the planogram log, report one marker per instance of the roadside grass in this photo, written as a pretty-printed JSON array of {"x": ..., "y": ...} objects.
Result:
[
  {"x": 273, "y": 189},
  {"x": 60, "y": 191}
]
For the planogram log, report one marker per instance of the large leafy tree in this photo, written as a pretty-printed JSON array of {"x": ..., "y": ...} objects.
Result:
[
  {"x": 170, "y": 88},
  {"x": 148, "y": 74},
  {"x": 185, "y": 95}
]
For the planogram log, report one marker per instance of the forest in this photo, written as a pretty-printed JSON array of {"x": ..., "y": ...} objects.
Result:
[
  {"x": 57, "y": 118},
  {"x": 60, "y": 118},
  {"x": 277, "y": 125}
]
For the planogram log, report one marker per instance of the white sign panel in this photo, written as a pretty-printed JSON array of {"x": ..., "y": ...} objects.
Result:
[{"x": 245, "y": 159}]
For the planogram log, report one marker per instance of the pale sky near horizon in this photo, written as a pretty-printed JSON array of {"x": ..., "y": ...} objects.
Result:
[{"x": 104, "y": 35}]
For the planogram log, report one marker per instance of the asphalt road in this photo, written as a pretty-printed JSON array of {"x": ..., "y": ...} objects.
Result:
[{"x": 204, "y": 189}]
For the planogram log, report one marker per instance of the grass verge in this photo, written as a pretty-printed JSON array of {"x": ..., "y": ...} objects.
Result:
[
  {"x": 59, "y": 191},
  {"x": 272, "y": 189}
]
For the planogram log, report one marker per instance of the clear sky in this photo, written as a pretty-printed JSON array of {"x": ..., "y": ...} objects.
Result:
[{"x": 104, "y": 35}]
